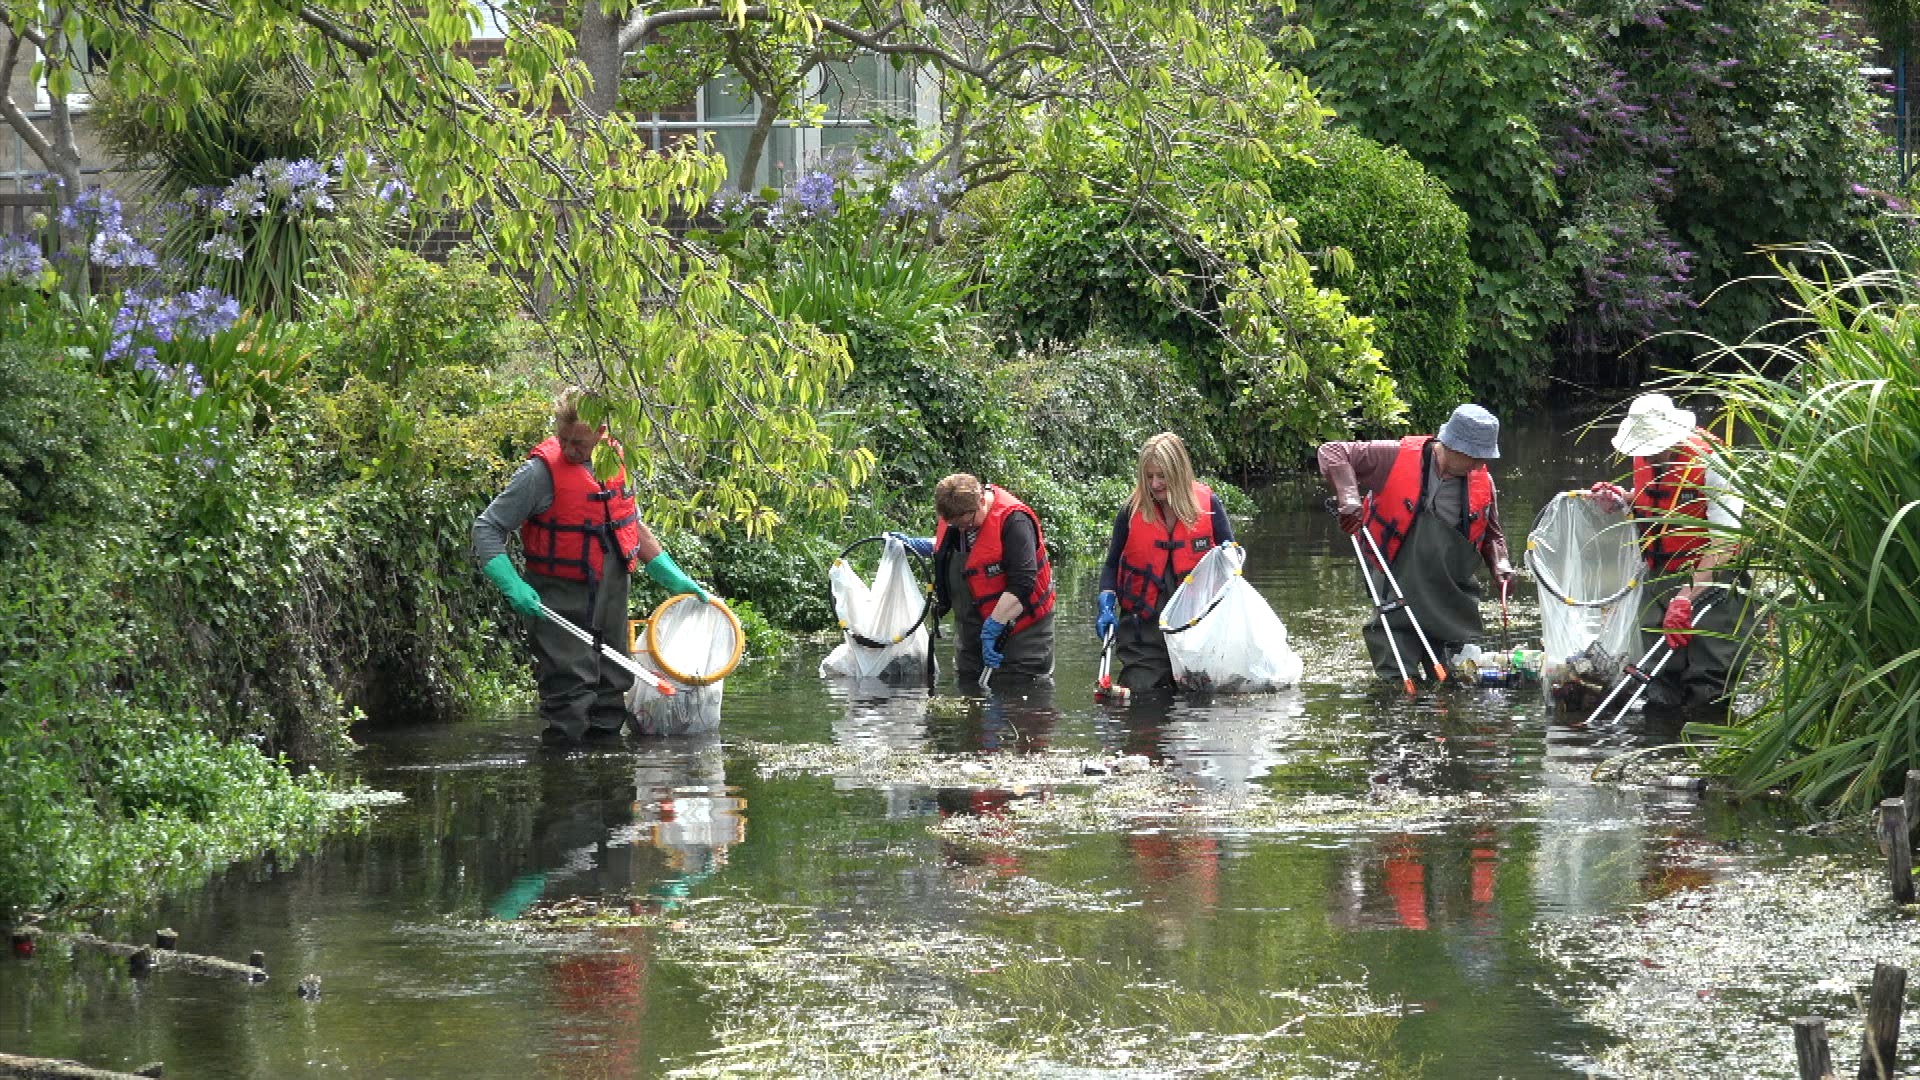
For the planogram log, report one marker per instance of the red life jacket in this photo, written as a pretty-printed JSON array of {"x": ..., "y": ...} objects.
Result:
[
  {"x": 1680, "y": 489},
  {"x": 1157, "y": 557},
  {"x": 1391, "y": 510},
  {"x": 570, "y": 538},
  {"x": 986, "y": 577}
]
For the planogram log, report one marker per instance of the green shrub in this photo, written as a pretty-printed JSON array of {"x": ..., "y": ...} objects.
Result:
[
  {"x": 408, "y": 314},
  {"x": 1283, "y": 359},
  {"x": 1826, "y": 467},
  {"x": 61, "y": 449},
  {"x": 1408, "y": 242}
]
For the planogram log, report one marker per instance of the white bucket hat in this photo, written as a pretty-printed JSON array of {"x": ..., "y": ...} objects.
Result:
[{"x": 1653, "y": 424}]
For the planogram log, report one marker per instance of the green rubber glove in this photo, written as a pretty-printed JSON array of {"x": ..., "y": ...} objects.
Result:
[
  {"x": 673, "y": 579},
  {"x": 520, "y": 595}
]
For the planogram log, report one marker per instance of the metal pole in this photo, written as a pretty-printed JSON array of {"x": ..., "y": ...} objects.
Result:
[
  {"x": 1439, "y": 669},
  {"x": 1373, "y": 591}
]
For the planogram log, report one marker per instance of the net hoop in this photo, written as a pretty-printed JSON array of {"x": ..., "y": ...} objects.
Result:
[
  {"x": 926, "y": 599},
  {"x": 1169, "y": 631},
  {"x": 653, "y": 641},
  {"x": 1548, "y": 582}
]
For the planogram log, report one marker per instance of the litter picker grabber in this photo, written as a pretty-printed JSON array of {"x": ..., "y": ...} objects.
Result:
[
  {"x": 1400, "y": 603},
  {"x": 1373, "y": 591},
  {"x": 660, "y": 685},
  {"x": 1104, "y": 690},
  {"x": 1641, "y": 674},
  {"x": 1506, "y": 632}
]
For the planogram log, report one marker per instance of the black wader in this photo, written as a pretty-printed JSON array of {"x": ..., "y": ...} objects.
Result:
[
  {"x": 581, "y": 691},
  {"x": 1141, "y": 651},
  {"x": 1703, "y": 673},
  {"x": 1029, "y": 653},
  {"x": 1438, "y": 569}
]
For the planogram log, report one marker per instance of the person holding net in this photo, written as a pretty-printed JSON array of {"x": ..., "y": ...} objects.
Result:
[
  {"x": 990, "y": 568},
  {"x": 1678, "y": 500},
  {"x": 1159, "y": 535},
  {"x": 1429, "y": 505},
  {"x": 582, "y": 538}
]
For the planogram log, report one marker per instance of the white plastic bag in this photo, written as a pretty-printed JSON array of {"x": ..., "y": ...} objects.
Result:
[
  {"x": 1221, "y": 633},
  {"x": 689, "y": 710},
  {"x": 1587, "y": 563},
  {"x": 886, "y": 634}
]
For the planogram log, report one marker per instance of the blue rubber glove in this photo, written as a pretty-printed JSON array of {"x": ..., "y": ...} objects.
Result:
[
  {"x": 990, "y": 635},
  {"x": 919, "y": 545},
  {"x": 1109, "y": 614},
  {"x": 668, "y": 575},
  {"x": 520, "y": 595}
]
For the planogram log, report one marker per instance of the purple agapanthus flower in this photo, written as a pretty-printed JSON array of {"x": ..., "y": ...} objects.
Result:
[
  {"x": 205, "y": 312},
  {"x": 96, "y": 209},
  {"x": 814, "y": 193},
  {"x": 20, "y": 261},
  {"x": 118, "y": 250},
  {"x": 223, "y": 245}
]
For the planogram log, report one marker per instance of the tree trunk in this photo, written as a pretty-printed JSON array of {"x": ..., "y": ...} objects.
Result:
[
  {"x": 599, "y": 49},
  {"x": 757, "y": 142}
]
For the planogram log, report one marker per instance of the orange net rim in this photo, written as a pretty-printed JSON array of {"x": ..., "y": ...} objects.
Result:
[{"x": 653, "y": 641}]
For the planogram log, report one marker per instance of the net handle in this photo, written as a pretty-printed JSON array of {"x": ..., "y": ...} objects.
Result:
[
  {"x": 653, "y": 641},
  {"x": 926, "y": 599}
]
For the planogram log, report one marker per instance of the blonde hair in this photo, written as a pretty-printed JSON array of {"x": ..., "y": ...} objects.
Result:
[
  {"x": 1167, "y": 452},
  {"x": 957, "y": 496},
  {"x": 566, "y": 407}
]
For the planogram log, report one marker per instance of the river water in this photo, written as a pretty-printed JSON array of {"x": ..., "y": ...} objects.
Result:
[{"x": 1332, "y": 881}]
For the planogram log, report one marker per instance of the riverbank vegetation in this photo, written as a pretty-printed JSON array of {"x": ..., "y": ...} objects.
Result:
[
  {"x": 1827, "y": 467},
  {"x": 245, "y": 428}
]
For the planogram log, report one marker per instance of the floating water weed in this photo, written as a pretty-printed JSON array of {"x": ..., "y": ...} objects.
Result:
[
  {"x": 799, "y": 996},
  {"x": 1701, "y": 983}
]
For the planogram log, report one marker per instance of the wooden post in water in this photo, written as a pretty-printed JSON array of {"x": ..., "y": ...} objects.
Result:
[
  {"x": 258, "y": 959},
  {"x": 1810, "y": 1047},
  {"x": 1911, "y": 799},
  {"x": 1881, "y": 1041},
  {"x": 167, "y": 939},
  {"x": 1892, "y": 834}
]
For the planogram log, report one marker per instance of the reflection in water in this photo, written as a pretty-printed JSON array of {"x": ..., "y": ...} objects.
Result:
[{"x": 672, "y": 834}]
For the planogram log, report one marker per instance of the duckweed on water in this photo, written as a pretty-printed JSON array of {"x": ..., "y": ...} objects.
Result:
[{"x": 1703, "y": 983}]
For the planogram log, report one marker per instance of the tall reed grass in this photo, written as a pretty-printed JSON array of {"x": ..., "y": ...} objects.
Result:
[{"x": 1830, "y": 475}]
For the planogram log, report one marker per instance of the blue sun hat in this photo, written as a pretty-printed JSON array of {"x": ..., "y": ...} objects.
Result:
[{"x": 1472, "y": 431}]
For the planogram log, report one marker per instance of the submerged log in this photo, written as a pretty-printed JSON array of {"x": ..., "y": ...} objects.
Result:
[
  {"x": 163, "y": 960},
  {"x": 1880, "y": 1043},
  {"x": 1810, "y": 1048},
  {"x": 33, "y": 1068},
  {"x": 1892, "y": 834}
]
